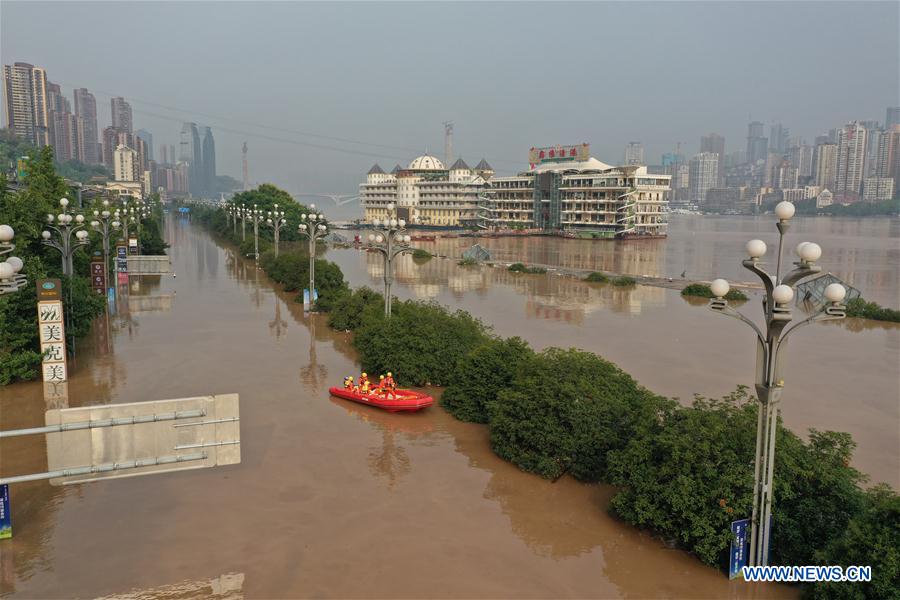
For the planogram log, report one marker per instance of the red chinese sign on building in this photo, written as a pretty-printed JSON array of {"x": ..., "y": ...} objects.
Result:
[{"x": 559, "y": 153}]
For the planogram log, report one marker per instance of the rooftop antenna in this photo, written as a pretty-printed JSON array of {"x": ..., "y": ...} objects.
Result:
[
  {"x": 246, "y": 179},
  {"x": 448, "y": 142}
]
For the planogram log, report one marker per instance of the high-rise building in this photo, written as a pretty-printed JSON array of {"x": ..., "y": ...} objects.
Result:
[
  {"x": 704, "y": 172},
  {"x": 122, "y": 118},
  {"x": 888, "y": 159},
  {"x": 786, "y": 176},
  {"x": 192, "y": 154},
  {"x": 778, "y": 138},
  {"x": 148, "y": 141},
  {"x": 713, "y": 142},
  {"x": 86, "y": 110},
  {"x": 825, "y": 158},
  {"x": 25, "y": 96},
  {"x": 850, "y": 162},
  {"x": 801, "y": 156},
  {"x": 110, "y": 141},
  {"x": 634, "y": 153},
  {"x": 891, "y": 117},
  {"x": 757, "y": 143},
  {"x": 878, "y": 189},
  {"x": 125, "y": 164},
  {"x": 873, "y": 129},
  {"x": 209, "y": 160}
]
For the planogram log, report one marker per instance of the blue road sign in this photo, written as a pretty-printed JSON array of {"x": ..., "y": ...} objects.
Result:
[
  {"x": 5, "y": 516},
  {"x": 740, "y": 547},
  {"x": 184, "y": 209}
]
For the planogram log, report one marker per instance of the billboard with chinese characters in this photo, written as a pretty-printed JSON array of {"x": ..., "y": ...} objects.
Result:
[{"x": 559, "y": 153}]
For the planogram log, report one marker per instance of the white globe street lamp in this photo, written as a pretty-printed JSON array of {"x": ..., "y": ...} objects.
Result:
[
  {"x": 10, "y": 278},
  {"x": 390, "y": 240},
  {"x": 65, "y": 231},
  {"x": 313, "y": 227},
  {"x": 769, "y": 382}
]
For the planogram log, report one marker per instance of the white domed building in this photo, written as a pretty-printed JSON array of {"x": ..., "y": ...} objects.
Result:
[{"x": 426, "y": 193}]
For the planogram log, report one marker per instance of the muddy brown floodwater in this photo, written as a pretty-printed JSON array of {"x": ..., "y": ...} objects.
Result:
[{"x": 337, "y": 500}]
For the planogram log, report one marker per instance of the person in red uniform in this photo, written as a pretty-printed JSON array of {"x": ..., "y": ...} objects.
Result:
[{"x": 389, "y": 385}]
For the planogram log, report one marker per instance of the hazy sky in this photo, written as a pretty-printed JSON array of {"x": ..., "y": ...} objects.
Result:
[{"x": 510, "y": 75}]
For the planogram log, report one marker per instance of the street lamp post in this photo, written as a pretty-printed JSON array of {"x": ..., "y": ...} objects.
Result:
[
  {"x": 313, "y": 227},
  {"x": 242, "y": 213},
  {"x": 65, "y": 230},
  {"x": 770, "y": 346},
  {"x": 390, "y": 240},
  {"x": 255, "y": 215},
  {"x": 10, "y": 278},
  {"x": 275, "y": 219},
  {"x": 105, "y": 223}
]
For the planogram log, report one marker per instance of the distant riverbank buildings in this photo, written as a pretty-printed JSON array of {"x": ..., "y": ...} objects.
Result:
[{"x": 564, "y": 191}]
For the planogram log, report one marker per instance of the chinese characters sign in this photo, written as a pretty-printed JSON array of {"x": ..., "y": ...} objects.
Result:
[
  {"x": 98, "y": 277},
  {"x": 52, "y": 334},
  {"x": 558, "y": 153}
]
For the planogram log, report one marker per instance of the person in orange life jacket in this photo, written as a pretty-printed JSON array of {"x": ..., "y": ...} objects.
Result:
[
  {"x": 389, "y": 385},
  {"x": 364, "y": 386},
  {"x": 348, "y": 383}
]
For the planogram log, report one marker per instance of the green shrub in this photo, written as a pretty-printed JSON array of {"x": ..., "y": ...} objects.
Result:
[
  {"x": 871, "y": 310},
  {"x": 691, "y": 474},
  {"x": 481, "y": 375},
  {"x": 624, "y": 281},
  {"x": 467, "y": 262},
  {"x": 421, "y": 256},
  {"x": 349, "y": 310},
  {"x": 520, "y": 268},
  {"x": 566, "y": 411},
  {"x": 291, "y": 269},
  {"x": 871, "y": 537},
  {"x": 596, "y": 277},
  {"x": 421, "y": 343},
  {"x": 701, "y": 290}
]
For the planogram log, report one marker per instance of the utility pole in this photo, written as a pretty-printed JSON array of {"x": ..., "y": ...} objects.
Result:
[{"x": 244, "y": 156}]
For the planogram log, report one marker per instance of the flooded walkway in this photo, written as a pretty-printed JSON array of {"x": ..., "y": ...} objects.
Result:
[{"x": 332, "y": 499}]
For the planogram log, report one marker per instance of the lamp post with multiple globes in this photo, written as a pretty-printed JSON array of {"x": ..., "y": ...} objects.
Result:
[
  {"x": 105, "y": 223},
  {"x": 779, "y": 292},
  {"x": 275, "y": 219},
  {"x": 10, "y": 278},
  {"x": 65, "y": 230},
  {"x": 391, "y": 240},
  {"x": 312, "y": 225}
]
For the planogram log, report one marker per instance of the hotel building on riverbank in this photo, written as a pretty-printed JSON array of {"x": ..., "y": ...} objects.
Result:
[
  {"x": 565, "y": 191},
  {"x": 426, "y": 193}
]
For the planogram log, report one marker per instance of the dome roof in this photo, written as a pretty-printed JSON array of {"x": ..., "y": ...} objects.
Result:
[{"x": 426, "y": 162}]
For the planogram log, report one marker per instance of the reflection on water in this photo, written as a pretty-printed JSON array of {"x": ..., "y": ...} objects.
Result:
[
  {"x": 550, "y": 296},
  {"x": 863, "y": 252}
]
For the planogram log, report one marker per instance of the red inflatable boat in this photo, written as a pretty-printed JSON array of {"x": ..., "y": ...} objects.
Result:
[{"x": 399, "y": 400}]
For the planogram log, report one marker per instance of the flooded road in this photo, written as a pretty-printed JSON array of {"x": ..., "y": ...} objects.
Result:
[{"x": 331, "y": 499}]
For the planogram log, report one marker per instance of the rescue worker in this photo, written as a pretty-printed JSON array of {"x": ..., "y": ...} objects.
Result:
[
  {"x": 348, "y": 383},
  {"x": 389, "y": 385},
  {"x": 364, "y": 385},
  {"x": 364, "y": 380},
  {"x": 380, "y": 388}
]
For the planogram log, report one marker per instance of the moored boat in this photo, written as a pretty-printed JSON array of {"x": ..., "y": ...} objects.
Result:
[{"x": 400, "y": 400}]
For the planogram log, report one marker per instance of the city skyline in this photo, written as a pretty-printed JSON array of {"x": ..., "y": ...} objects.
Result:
[{"x": 313, "y": 100}]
